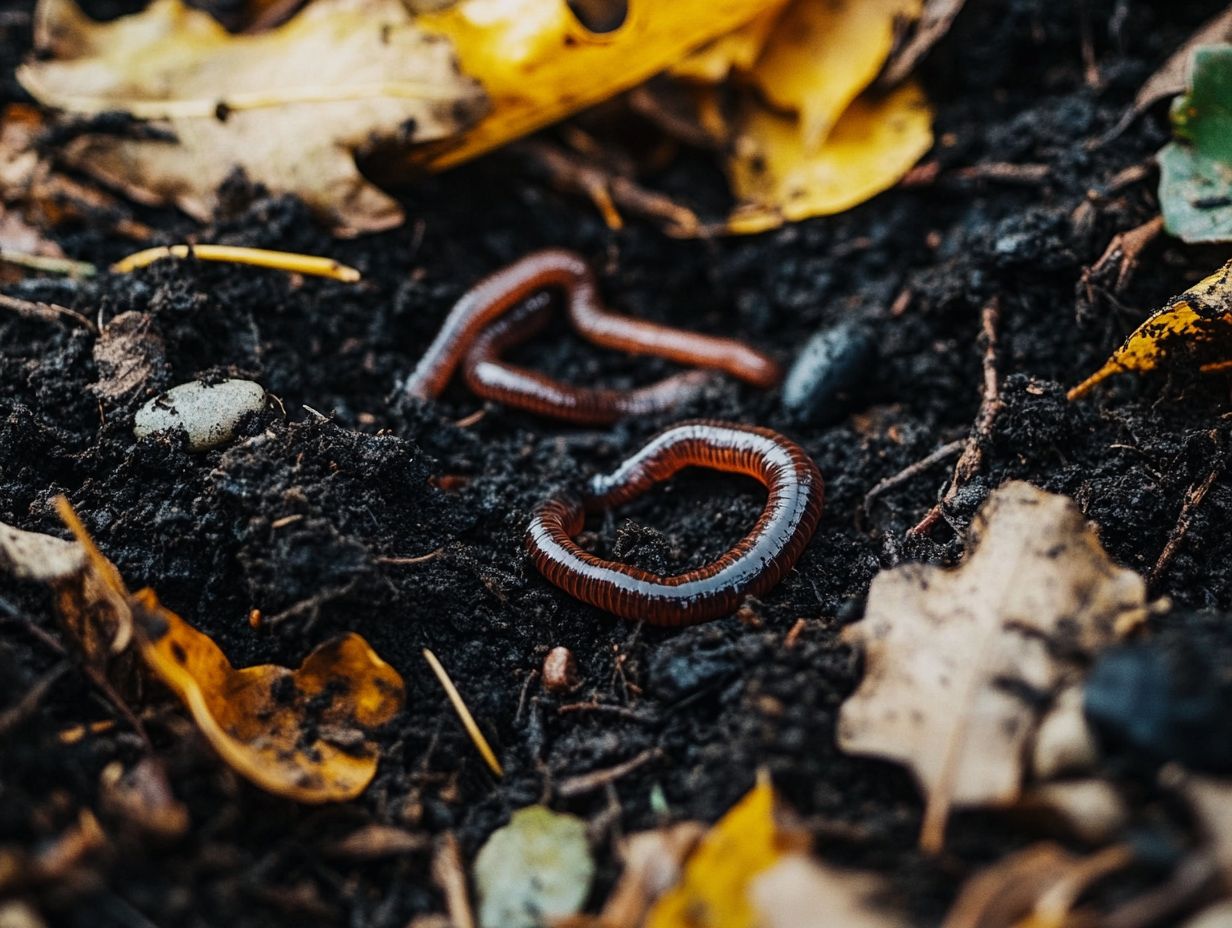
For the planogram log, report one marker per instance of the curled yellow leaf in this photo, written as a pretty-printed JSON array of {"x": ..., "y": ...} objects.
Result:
[
  {"x": 821, "y": 56},
  {"x": 538, "y": 63},
  {"x": 715, "y": 889},
  {"x": 738, "y": 50},
  {"x": 875, "y": 142},
  {"x": 1185, "y": 330},
  {"x": 303, "y": 734}
]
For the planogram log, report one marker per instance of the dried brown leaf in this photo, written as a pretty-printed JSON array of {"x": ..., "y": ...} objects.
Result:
[
  {"x": 291, "y": 106},
  {"x": 949, "y": 652},
  {"x": 1173, "y": 77}
]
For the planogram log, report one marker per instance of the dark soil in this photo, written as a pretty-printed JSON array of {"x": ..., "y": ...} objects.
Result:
[{"x": 360, "y": 471}]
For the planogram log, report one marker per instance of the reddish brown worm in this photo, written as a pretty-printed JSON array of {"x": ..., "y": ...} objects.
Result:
[
  {"x": 755, "y": 564},
  {"x": 495, "y": 379},
  {"x": 555, "y": 268}
]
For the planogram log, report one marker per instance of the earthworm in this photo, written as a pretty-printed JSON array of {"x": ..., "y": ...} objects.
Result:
[
  {"x": 755, "y": 564},
  {"x": 494, "y": 379},
  {"x": 557, "y": 268}
]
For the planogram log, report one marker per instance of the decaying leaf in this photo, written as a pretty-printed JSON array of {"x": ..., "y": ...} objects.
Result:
[
  {"x": 875, "y": 142},
  {"x": 538, "y": 63},
  {"x": 948, "y": 653},
  {"x": 715, "y": 890},
  {"x": 820, "y": 56},
  {"x": 1192, "y": 330},
  {"x": 290, "y": 106},
  {"x": 1211, "y": 801},
  {"x": 1034, "y": 888},
  {"x": 304, "y": 734},
  {"x": 799, "y": 892},
  {"x": 535, "y": 868},
  {"x": 736, "y": 51}
]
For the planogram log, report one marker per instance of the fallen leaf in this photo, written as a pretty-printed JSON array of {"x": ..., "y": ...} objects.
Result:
[
  {"x": 290, "y": 106},
  {"x": 1090, "y": 810},
  {"x": 1191, "y": 330},
  {"x": 535, "y": 868},
  {"x": 714, "y": 893},
  {"x": 820, "y": 56},
  {"x": 948, "y": 653},
  {"x": 1033, "y": 888},
  {"x": 874, "y": 143},
  {"x": 143, "y": 799},
  {"x": 935, "y": 21},
  {"x": 538, "y": 63},
  {"x": 736, "y": 51},
  {"x": 798, "y": 892},
  {"x": 129, "y": 353},
  {"x": 304, "y": 734}
]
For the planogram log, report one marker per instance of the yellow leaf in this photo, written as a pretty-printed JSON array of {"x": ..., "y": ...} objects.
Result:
[
  {"x": 1184, "y": 330},
  {"x": 823, "y": 53},
  {"x": 303, "y": 734},
  {"x": 715, "y": 890},
  {"x": 873, "y": 145},
  {"x": 290, "y": 106},
  {"x": 735, "y": 51},
  {"x": 538, "y": 63}
]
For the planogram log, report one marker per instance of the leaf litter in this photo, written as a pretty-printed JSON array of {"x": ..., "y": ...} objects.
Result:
[
  {"x": 951, "y": 655},
  {"x": 304, "y": 734}
]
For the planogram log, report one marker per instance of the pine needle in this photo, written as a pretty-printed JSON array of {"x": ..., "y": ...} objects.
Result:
[
  {"x": 291, "y": 262},
  {"x": 464, "y": 714}
]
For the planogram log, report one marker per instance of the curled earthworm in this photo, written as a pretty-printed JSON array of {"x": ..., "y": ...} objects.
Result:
[
  {"x": 494, "y": 296},
  {"x": 755, "y": 564},
  {"x": 495, "y": 379}
]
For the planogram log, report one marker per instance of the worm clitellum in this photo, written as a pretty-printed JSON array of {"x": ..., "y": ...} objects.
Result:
[
  {"x": 494, "y": 296},
  {"x": 755, "y": 564}
]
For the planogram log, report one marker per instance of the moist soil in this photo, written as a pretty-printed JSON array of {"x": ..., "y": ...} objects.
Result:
[{"x": 313, "y": 513}]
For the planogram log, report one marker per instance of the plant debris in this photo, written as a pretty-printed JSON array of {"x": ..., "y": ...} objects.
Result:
[
  {"x": 950, "y": 654},
  {"x": 290, "y": 107}
]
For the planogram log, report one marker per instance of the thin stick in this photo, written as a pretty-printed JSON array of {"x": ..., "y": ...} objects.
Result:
[
  {"x": 50, "y": 265},
  {"x": 912, "y": 470},
  {"x": 421, "y": 559},
  {"x": 597, "y": 779},
  {"x": 450, "y": 877},
  {"x": 464, "y": 714},
  {"x": 972, "y": 458},
  {"x": 36, "y": 309},
  {"x": 29, "y": 703},
  {"x": 1193, "y": 499},
  {"x": 291, "y": 262}
]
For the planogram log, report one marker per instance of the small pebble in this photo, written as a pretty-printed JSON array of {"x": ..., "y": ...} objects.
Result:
[
  {"x": 207, "y": 413},
  {"x": 828, "y": 369},
  {"x": 560, "y": 673}
]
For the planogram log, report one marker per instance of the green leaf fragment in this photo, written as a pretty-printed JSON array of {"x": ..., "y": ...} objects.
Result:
[{"x": 1195, "y": 194}]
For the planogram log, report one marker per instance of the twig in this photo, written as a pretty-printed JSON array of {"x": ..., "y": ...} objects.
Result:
[
  {"x": 450, "y": 877},
  {"x": 421, "y": 559},
  {"x": 1123, "y": 251},
  {"x": 912, "y": 470},
  {"x": 464, "y": 714},
  {"x": 52, "y": 311},
  {"x": 291, "y": 262},
  {"x": 1193, "y": 499},
  {"x": 972, "y": 458},
  {"x": 609, "y": 190},
  {"x": 29, "y": 703},
  {"x": 597, "y": 779},
  {"x": 600, "y": 707}
]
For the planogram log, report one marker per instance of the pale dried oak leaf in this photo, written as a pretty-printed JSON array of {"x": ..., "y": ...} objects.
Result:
[
  {"x": 290, "y": 106},
  {"x": 953, "y": 657}
]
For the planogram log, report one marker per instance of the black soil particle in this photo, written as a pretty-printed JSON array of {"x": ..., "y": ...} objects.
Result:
[{"x": 320, "y": 513}]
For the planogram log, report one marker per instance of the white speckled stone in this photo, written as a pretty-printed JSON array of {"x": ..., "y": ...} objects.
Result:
[{"x": 207, "y": 413}]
